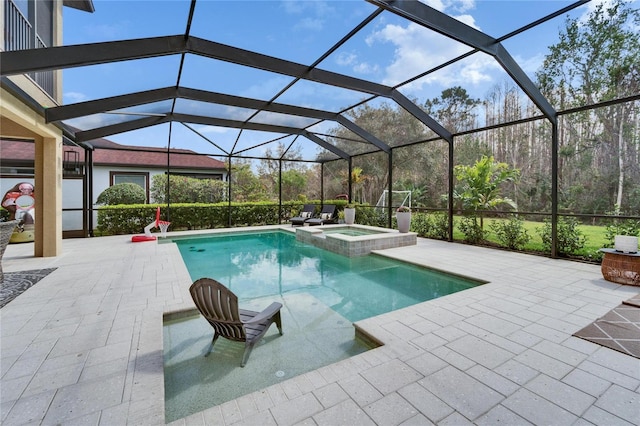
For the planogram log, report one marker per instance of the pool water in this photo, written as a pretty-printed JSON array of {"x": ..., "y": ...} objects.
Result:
[
  {"x": 322, "y": 294},
  {"x": 351, "y": 232},
  {"x": 257, "y": 265}
]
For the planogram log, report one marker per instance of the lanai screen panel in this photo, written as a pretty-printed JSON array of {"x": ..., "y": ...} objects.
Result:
[
  {"x": 388, "y": 122},
  {"x": 298, "y": 31},
  {"x": 218, "y": 76},
  {"x": 320, "y": 96},
  {"x": 391, "y": 50}
]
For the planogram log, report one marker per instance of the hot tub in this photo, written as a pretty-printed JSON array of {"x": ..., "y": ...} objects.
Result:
[{"x": 354, "y": 240}]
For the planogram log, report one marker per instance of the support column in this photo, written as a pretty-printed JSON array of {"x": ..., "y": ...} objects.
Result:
[{"x": 48, "y": 185}]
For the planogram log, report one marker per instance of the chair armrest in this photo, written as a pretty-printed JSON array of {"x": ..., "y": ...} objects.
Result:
[{"x": 265, "y": 314}]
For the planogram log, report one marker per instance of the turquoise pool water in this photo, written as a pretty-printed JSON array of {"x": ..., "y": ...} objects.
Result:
[
  {"x": 322, "y": 293},
  {"x": 351, "y": 232},
  {"x": 257, "y": 265}
]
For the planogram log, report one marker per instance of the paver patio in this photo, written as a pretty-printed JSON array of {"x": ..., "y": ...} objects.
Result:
[{"x": 84, "y": 346}]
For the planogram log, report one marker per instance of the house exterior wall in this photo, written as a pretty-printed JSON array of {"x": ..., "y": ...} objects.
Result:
[
  {"x": 102, "y": 176},
  {"x": 72, "y": 190}
]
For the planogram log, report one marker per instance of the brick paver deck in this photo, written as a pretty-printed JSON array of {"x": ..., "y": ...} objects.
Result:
[{"x": 84, "y": 346}]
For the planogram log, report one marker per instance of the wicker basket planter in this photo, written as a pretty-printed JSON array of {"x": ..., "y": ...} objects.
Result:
[
  {"x": 6, "y": 229},
  {"x": 621, "y": 268}
]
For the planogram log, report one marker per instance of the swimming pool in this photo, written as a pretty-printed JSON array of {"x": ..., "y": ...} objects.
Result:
[
  {"x": 255, "y": 265},
  {"x": 322, "y": 294}
]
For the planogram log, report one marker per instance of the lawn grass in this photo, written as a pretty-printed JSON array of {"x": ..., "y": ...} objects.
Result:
[{"x": 595, "y": 238}]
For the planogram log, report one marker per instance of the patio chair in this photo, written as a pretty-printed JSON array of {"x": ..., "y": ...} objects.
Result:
[
  {"x": 305, "y": 214},
  {"x": 327, "y": 215},
  {"x": 219, "y": 306}
]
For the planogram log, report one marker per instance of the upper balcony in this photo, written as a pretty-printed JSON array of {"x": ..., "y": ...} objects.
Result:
[{"x": 20, "y": 33}]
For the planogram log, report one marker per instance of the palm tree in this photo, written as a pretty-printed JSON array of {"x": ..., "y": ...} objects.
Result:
[{"x": 479, "y": 185}]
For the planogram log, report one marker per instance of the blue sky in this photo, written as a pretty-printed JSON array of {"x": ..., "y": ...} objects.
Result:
[{"x": 389, "y": 50}]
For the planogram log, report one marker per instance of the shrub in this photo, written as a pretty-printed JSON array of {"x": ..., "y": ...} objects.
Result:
[
  {"x": 439, "y": 226},
  {"x": 470, "y": 227},
  {"x": 188, "y": 190},
  {"x": 621, "y": 227},
  {"x": 570, "y": 238},
  {"x": 371, "y": 216},
  {"x": 511, "y": 233},
  {"x": 122, "y": 193},
  {"x": 421, "y": 224}
]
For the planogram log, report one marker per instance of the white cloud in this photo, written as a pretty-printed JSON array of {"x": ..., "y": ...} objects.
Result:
[
  {"x": 309, "y": 24},
  {"x": 365, "y": 68},
  {"x": 346, "y": 59},
  {"x": 530, "y": 65},
  {"x": 350, "y": 59},
  {"x": 212, "y": 129},
  {"x": 315, "y": 13},
  {"x": 458, "y": 6},
  {"x": 73, "y": 97},
  {"x": 418, "y": 49}
]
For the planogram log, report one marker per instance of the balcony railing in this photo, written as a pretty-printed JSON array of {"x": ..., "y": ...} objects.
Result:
[{"x": 20, "y": 35}]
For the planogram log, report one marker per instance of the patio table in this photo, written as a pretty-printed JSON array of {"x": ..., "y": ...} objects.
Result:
[{"x": 621, "y": 268}]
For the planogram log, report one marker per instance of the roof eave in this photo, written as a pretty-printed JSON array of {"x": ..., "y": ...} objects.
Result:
[{"x": 84, "y": 5}]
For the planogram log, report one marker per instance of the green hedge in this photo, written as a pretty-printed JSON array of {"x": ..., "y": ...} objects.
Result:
[{"x": 132, "y": 218}]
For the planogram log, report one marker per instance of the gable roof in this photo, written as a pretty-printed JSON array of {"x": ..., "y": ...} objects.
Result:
[{"x": 108, "y": 153}]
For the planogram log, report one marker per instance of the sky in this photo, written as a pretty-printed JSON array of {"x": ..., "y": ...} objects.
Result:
[{"x": 388, "y": 51}]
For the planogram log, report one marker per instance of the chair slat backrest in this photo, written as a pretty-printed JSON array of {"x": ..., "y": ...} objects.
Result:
[
  {"x": 329, "y": 208},
  {"x": 219, "y": 306},
  {"x": 309, "y": 208}
]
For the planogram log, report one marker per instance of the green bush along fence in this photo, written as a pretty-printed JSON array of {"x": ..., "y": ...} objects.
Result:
[{"x": 132, "y": 218}]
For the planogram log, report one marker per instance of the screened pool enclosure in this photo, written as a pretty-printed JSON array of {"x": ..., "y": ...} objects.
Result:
[{"x": 270, "y": 101}]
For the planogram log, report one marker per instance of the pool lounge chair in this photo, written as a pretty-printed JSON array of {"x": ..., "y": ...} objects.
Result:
[
  {"x": 219, "y": 306},
  {"x": 327, "y": 215},
  {"x": 305, "y": 214}
]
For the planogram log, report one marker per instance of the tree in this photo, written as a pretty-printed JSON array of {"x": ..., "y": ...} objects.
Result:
[
  {"x": 479, "y": 185},
  {"x": 395, "y": 127},
  {"x": 294, "y": 184},
  {"x": 245, "y": 184},
  {"x": 597, "y": 60},
  {"x": 454, "y": 109},
  {"x": 294, "y": 173}
]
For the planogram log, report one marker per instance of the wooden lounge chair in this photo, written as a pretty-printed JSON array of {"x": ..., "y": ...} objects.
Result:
[
  {"x": 219, "y": 306},
  {"x": 327, "y": 215},
  {"x": 305, "y": 214}
]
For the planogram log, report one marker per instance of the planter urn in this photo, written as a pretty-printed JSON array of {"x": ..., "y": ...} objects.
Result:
[
  {"x": 349, "y": 215},
  {"x": 404, "y": 221}
]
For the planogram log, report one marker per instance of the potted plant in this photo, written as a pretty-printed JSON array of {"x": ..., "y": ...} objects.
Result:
[
  {"x": 349, "y": 214},
  {"x": 403, "y": 216}
]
